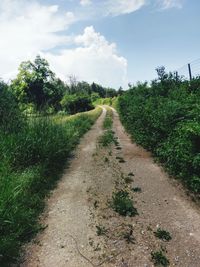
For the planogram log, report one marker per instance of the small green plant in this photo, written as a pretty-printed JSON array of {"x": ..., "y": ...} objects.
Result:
[
  {"x": 106, "y": 160},
  {"x": 121, "y": 160},
  {"x": 128, "y": 180},
  {"x": 159, "y": 259},
  {"x": 128, "y": 236},
  {"x": 131, "y": 174},
  {"x": 122, "y": 204},
  {"x": 107, "y": 124},
  {"x": 101, "y": 230},
  {"x": 136, "y": 189},
  {"x": 162, "y": 234},
  {"x": 107, "y": 138}
]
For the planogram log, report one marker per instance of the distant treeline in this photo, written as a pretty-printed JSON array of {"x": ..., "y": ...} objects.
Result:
[
  {"x": 37, "y": 89},
  {"x": 164, "y": 117}
]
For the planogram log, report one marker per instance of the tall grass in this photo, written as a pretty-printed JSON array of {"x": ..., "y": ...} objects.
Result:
[{"x": 31, "y": 161}]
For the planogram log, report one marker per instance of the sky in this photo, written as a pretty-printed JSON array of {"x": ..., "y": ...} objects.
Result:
[{"x": 111, "y": 42}]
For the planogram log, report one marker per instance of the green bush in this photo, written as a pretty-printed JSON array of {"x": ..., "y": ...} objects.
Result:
[
  {"x": 165, "y": 119},
  {"x": 76, "y": 103},
  {"x": 10, "y": 116}
]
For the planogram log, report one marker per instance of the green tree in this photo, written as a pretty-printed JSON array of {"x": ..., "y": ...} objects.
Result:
[
  {"x": 10, "y": 116},
  {"x": 36, "y": 84}
]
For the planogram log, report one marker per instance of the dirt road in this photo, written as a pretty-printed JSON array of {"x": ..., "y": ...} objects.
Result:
[{"x": 83, "y": 230}]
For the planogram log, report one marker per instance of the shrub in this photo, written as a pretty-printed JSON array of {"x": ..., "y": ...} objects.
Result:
[
  {"x": 10, "y": 116},
  {"x": 164, "y": 118},
  {"x": 76, "y": 103}
]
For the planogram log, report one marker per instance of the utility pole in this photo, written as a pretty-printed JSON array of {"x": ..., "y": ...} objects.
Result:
[
  {"x": 176, "y": 75},
  {"x": 190, "y": 72}
]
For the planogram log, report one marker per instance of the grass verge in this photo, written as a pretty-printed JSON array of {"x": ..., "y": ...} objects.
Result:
[{"x": 31, "y": 161}]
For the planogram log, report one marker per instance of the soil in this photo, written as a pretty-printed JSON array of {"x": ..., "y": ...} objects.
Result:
[{"x": 80, "y": 208}]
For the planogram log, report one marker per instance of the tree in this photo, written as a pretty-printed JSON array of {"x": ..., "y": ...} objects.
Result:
[
  {"x": 162, "y": 75},
  {"x": 10, "y": 116},
  {"x": 36, "y": 84}
]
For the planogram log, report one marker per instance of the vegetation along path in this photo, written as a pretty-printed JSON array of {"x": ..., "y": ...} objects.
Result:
[{"x": 115, "y": 207}]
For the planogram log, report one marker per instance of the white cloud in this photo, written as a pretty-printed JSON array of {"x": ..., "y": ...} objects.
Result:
[
  {"x": 119, "y": 7},
  {"x": 166, "y": 4},
  {"x": 85, "y": 2},
  {"x": 94, "y": 60},
  {"x": 27, "y": 28}
]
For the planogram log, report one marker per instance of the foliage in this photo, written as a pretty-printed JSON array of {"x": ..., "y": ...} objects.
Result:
[
  {"x": 36, "y": 88},
  {"x": 36, "y": 84},
  {"x": 136, "y": 189},
  {"x": 108, "y": 122},
  {"x": 165, "y": 118},
  {"x": 10, "y": 116},
  {"x": 76, "y": 103},
  {"x": 159, "y": 259},
  {"x": 163, "y": 234},
  {"x": 31, "y": 160},
  {"x": 101, "y": 230},
  {"x": 122, "y": 204},
  {"x": 107, "y": 138}
]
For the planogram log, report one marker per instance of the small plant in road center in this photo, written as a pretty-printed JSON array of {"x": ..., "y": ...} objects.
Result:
[
  {"x": 101, "y": 230},
  {"x": 107, "y": 138},
  {"x": 159, "y": 259},
  {"x": 162, "y": 234},
  {"x": 122, "y": 204},
  {"x": 136, "y": 189}
]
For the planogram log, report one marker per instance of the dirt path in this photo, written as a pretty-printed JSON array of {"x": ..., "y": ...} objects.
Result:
[{"x": 79, "y": 209}]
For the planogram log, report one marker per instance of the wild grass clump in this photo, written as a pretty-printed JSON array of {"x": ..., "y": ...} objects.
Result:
[
  {"x": 31, "y": 161},
  {"x": 136, "y": 189},
  {"x": 163, "y": 234},
  {"x": 101, "y": 230},
  {"x": 122, "y": 204},
  {"x": 107, "y": 138},
  {"x": 164, "y": 118},
  {"x": 108, "y": 121},
  {"x": 159, "y": 259}
]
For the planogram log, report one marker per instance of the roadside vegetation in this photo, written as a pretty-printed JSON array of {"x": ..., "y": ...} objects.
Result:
[
  {"x": 32, "y": 158},
  {"x": 164, "y": 117},
  {"x": 37, "y": 90},
  {"x": 34, "y": 146}
]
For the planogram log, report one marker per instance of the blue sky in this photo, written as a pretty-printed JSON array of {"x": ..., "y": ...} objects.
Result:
[{"x": 110, "y": 42}]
